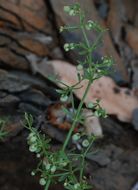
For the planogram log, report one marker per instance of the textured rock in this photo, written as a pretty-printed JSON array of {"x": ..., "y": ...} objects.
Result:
[
  {"x": 115, "y": 21},
  {"x": 120, "y": 174},
  {"x": 12, "y": 83},
  {"x": 28, "y": 14},
  {"x": 9, "y": 100},
  {"x": 132, "y": 38},
  {"x": 13, "y": 59}
]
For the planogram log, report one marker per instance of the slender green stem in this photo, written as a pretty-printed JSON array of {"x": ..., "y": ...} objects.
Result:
[
  {"x": 88, "y": 45},
  {"x": 76, "y": 118},
  {"x": 83, "y": 158},
  {"x": 47, "y": 184}
]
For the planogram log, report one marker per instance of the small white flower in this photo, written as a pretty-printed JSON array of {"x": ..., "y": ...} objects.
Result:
[{"x": 85, "y": 143}]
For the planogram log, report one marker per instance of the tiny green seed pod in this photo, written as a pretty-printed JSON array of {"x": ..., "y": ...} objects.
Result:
[
  {"x": 48, "y": 166},
  {"x": 64, "y": 164},
  {"x": 33, "y": 139},
  {"x": 77, "y": 186},
  {"x": 38, "y": 155},
  {"x": 85, "y": 143},
  {"x": 72, "y": 12},
  {"x": 31, "y": 135},
  {"x": 66, "y": 47},
  {"x": 32, "y": 173},
  {"x": 53, "y": 169},
  {"x": 90, "y": 105},
  {"x": 65, "y": 184},
  {"x": 33, "y": 148},
  {"x": 76, "y": 137},
  {"x": 42, "y": 181},
  {"x": 63, "y": 98},
  {"x": 79, "y": 67}
]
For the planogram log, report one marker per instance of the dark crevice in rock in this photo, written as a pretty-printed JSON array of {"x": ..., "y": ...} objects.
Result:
[{"x": 52, "y": 18}]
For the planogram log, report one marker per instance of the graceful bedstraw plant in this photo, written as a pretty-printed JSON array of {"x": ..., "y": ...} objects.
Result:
[{"x": 67, "y": 165}]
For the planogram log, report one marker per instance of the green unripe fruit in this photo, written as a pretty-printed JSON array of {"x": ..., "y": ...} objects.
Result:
[
  {"x": 76, "y": 137},
  {"x": 85, "y": 143},
  {"x": 42, "y": 181}
]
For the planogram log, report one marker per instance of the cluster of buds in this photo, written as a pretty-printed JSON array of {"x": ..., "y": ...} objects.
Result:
[
  {"x": 91, "y": 25},
  {"x": 69, "y": 46},
  {"x": 51, "y": 168},
  {"x": 77, "y": 186},
  {"x": 107, "y": 61},
  {"x": 72, "y": 10},
  {"x": 77, "y": 136},
  {"x": 33, "y": 143}
]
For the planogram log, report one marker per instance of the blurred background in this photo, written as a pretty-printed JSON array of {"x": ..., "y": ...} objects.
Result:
[{"x": 29, "y": 39}]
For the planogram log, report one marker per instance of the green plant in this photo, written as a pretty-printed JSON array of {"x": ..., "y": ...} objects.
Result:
[
  {"x": 3, "y": 133},
  {"x": 62, "y": 165}
]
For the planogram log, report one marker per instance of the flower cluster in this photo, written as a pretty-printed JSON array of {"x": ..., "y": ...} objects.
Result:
[
  {"x": 76, "y": 186},
  {"x": 69, "y": 46},
  {"x": 72, "y": 10},
  {"x": 98, "y": 111},
  {"x": 91, "y": 25},
  {"x": 81, "y": 139},
  {"x": 33, "y": 142},
  {"x": 107, "y": 61}
]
